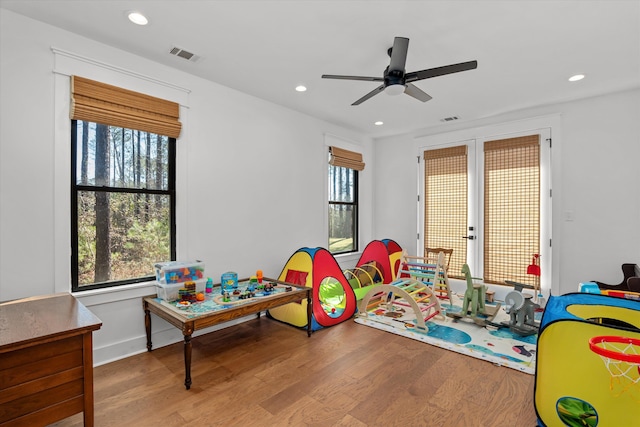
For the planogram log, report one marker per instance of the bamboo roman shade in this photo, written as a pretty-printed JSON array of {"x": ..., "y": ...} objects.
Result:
[
  {"x": 346, "y": 158},
  {"x": 110, "y": 105},
  {"x": 445, "y": 213},
  {"x": 511, "y": 208}
]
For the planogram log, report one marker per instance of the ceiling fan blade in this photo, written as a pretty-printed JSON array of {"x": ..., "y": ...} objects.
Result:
[
  {"x": 441, "y": 71},
  {"x": 399, "y": 54},
  {"x": 369, "y": 95},
  {"x": 416, "y": 92},
  {"x": 367, "y": 79}
]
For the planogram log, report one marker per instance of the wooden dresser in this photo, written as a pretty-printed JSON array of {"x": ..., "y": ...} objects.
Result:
[{"x": 46, "y": 360}]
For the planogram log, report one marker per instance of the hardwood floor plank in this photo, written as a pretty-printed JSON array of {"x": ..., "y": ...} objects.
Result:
[{"x": 265, "y": 373}]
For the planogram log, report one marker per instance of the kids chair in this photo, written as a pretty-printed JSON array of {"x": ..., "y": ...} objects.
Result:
[
  {"x": 434, "y": 252},
  {"x": 474, "y": 295}
]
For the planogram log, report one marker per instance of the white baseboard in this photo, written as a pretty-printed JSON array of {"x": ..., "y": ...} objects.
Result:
[{"x": 159, "y": 338}]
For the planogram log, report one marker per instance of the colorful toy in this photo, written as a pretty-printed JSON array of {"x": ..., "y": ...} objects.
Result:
[
  {"x": 431, "y": 271},
  {"x": 228, "y": 281},
  {"x": 334, "y": 300},
  {"x": 179, "y": 272},
  {"x": 386, "y": 254},
  {"x": 310, "y": 267},
  {"x": 404, "y": 293},
  {"x": 360, "y": 278},
  {"x": 587, "y": 361},
  {"x": 534, "y": 270},
  {"x": 473, "y": 303}
]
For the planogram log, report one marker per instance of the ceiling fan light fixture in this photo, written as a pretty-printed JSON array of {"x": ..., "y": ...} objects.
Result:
[{"x": 393, "y": 90}]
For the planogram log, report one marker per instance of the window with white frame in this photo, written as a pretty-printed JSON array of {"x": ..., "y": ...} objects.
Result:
[
  {"x": 123, "y": 185},
  {"x": 343, "y": 200}
]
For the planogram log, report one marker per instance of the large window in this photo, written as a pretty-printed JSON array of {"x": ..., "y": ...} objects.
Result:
[
  {"x": 344, "y": 166},
  {"x": 123, "y": 205},
  {"x": 343, "y": 209},
  {"x": 122, "y": 184}
]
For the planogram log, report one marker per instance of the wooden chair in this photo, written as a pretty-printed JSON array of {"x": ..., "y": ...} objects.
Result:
[{"x": 433, "y": 253}]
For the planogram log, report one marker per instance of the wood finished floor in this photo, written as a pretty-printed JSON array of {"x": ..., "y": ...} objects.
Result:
[{"x": 265, "y": 373}]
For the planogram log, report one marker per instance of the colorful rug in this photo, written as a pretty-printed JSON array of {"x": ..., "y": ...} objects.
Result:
[{"x": 499, "y": 346}]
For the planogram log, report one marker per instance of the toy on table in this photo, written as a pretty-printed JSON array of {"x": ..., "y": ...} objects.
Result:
[
  {"x": 209, "y": 286},
  {"x": 177, "y": 272},
  {"x": 253, "y": 283},
  {"x": 228, "y": 282},
  {"x": 188, "y": 293},
  {"x": 259, "y": 276}
]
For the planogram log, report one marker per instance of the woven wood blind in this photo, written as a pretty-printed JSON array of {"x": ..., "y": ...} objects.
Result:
[
  {"x": 511, "y": 208},
  {"x": 110, "y": 105},
  {"x": 346, "y": 158},
  {"x": 445, "y": 204}
]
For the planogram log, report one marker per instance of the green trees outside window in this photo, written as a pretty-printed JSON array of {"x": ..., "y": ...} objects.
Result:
[
  {"x": 343, "y": 209},
  {"x": 122, "y": 204}
]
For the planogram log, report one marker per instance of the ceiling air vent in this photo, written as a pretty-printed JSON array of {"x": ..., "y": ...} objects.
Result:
[
  {"x": 184, "y": 54},
  {"x": 449, "y": 119}
]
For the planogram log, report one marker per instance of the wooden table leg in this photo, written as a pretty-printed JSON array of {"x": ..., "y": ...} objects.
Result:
[
  {"x": 147, "y": 326},
  {"x": 187, "y": 361},
  {"x": 309, "y": 311}
]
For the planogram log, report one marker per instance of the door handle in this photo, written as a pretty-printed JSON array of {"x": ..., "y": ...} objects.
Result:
[{"x": 468, "y": 237}]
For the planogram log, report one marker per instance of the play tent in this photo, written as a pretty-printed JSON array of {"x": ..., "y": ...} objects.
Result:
[
  {"x": 333, "y": 297},
  {"x": 387, "y": 254},
  {"x": 575, "y": 384}
]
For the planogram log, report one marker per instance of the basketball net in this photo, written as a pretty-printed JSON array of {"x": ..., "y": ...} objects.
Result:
[{"x": 624, "y": 374}]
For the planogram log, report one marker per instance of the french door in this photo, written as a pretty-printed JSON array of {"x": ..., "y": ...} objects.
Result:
[{"x": 489, "y": 200}]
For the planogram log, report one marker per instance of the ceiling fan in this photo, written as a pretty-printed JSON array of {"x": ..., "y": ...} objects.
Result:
[{"x": 396, "y": 81}]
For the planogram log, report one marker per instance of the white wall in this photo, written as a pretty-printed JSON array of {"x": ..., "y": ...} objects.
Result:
[
  {"x": 595, "y": 180},
  {"x": 251, "y": 176}
]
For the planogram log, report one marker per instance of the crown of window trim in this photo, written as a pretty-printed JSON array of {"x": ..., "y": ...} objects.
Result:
[
  {"x": 346, "y": 158},
  {"x": 102, "y": 103}
]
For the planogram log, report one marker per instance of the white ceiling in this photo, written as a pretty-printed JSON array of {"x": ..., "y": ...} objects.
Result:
[{"x": 526, "y": 50}]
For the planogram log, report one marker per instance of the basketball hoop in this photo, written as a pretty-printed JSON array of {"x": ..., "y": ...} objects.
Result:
[{"x": 621, "y": 357}]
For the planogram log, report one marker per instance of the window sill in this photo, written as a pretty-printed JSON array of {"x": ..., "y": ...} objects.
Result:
[{"x": 115, "y": 293}]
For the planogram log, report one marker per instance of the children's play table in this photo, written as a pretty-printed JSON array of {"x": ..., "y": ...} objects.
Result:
[{"x": 214, "y": 310}]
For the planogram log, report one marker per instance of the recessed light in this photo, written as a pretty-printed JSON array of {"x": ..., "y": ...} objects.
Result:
[
  {"x": 138, "y": 18},
  {"x": 378, "y": 123},
  {"x": 301, "y": 88},
  {"x": 576, "y": 77}
]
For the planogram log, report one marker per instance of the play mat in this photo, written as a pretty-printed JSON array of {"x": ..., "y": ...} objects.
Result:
[{"x": 499, "y": 346}]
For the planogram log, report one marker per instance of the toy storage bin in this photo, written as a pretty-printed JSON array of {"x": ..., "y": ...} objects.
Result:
[
  {"x": 179, "y": 272},
  {"x": 169, "y": 291}
]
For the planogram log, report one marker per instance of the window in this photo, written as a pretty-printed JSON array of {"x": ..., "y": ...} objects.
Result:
[
  {"x": 123, "y": 204},
  {"x": 343, "y": 200},
  {"x": 343, "y": 210},
  {"x": 122, "y": 184},
  {"x": 491, "y": 220}
]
